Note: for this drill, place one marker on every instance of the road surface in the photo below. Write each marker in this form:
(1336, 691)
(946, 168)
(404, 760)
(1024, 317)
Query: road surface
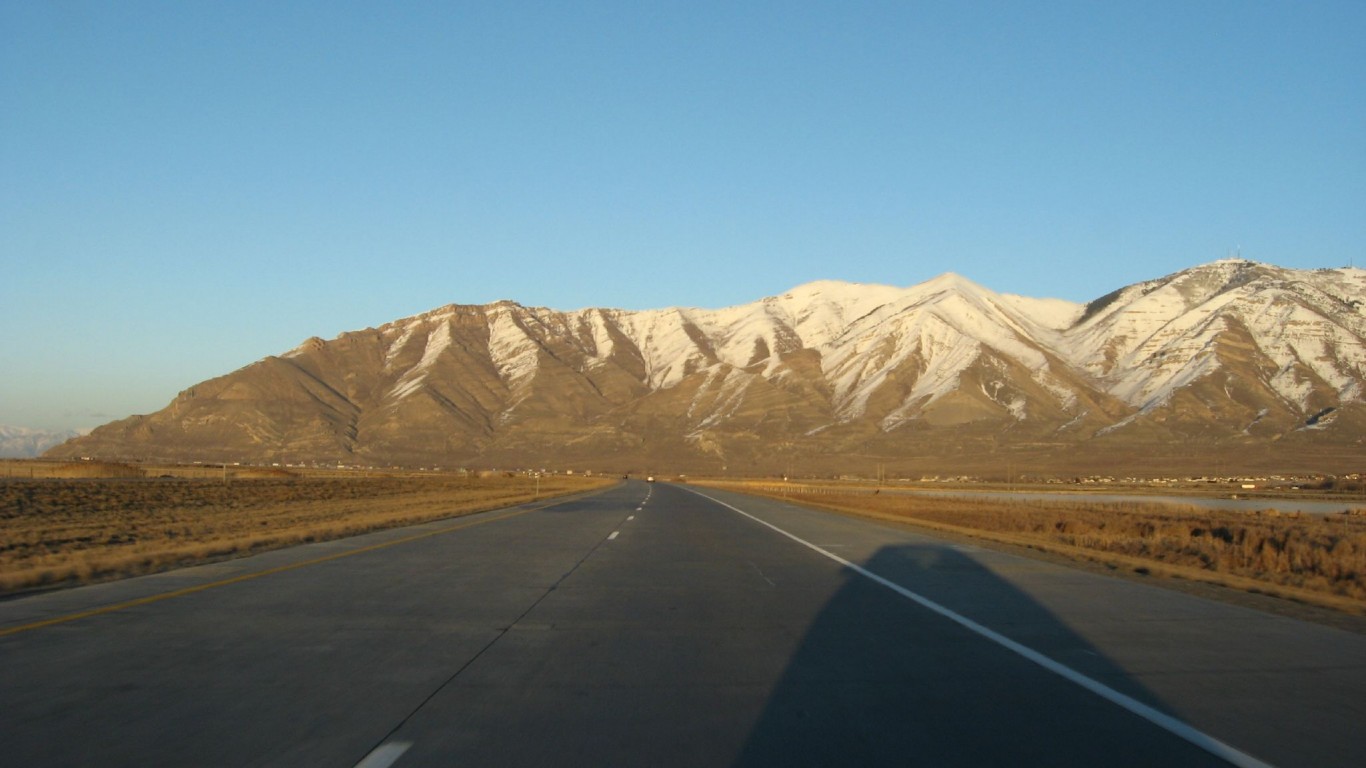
(662, 625)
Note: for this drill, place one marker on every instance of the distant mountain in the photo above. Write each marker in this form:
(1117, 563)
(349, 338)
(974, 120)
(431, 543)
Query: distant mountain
(1232, 358)
(24, 443)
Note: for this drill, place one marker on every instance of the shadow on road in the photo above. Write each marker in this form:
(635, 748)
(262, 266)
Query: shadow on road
(879, 680)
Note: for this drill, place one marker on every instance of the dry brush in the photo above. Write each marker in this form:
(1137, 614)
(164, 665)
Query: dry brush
(55, 532)
(1320, 559)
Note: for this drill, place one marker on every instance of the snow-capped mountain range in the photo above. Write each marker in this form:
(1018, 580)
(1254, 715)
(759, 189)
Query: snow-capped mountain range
(1225, 352)
(24, 442)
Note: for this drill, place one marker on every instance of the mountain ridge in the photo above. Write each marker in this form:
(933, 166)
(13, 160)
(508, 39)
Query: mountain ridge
(1234, 354)
(26, 442)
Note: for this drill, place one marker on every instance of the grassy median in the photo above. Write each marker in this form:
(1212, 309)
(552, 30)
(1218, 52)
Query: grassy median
(1319, 559)
(71, 531)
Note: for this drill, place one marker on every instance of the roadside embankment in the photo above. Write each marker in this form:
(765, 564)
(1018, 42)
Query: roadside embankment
(1318, 559)
(70, 531)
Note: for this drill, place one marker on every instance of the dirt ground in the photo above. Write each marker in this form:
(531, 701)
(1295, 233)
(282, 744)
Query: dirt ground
(70, 529)
(1293, 565)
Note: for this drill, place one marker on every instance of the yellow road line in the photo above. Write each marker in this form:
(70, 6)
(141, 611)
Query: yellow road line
(258, 574)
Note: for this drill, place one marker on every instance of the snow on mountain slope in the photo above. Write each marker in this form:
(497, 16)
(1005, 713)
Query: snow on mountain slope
(437, 340)
(1229, 350)
(26, 443)
(1155, 338)
(863, 334)
(1140, 344)
(669, 343)
(940, 328)
(599, 333)
(1053, 314)
(512, 345)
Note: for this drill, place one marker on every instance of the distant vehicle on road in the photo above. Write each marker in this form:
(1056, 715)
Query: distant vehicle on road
(650, 479)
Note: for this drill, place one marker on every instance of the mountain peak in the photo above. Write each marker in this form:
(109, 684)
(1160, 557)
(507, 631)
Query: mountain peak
(25, 442)
(951, 280)
(1231, 350)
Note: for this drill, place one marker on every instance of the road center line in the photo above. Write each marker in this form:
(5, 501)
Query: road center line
(1160, 719)
(613, 535)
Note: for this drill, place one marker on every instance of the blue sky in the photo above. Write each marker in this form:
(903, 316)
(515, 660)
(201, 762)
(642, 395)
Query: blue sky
(188, 187)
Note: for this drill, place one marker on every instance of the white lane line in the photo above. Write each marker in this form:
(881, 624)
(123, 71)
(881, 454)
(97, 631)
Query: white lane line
(630, 517)
(761, 574)
(1164, 721)
(613, 536)
(385, 755)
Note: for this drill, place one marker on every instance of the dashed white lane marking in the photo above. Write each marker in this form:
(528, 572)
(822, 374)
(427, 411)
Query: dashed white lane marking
(630, 517)
(613, 536)
(385, 755)
(759, 571)
(1161, 720)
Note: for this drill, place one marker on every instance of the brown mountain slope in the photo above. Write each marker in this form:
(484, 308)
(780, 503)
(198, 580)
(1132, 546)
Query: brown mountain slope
(1229, 362)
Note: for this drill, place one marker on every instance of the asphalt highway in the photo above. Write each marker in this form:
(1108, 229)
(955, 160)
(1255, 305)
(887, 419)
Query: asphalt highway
(662, 625)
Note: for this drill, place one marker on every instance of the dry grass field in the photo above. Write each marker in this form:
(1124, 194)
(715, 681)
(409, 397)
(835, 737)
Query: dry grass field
(77, 523)
(1318, 559)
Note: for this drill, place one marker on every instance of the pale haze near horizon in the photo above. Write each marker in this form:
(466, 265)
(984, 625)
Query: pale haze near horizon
(187, 189)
